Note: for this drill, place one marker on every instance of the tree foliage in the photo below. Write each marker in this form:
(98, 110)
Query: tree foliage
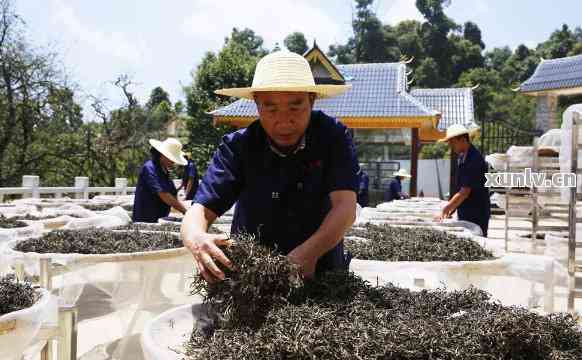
(296, 42)
(232, 66)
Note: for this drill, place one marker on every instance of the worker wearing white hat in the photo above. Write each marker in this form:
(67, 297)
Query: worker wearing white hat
(471, 200)
(155, 193)
(394, 191)
(292, 174)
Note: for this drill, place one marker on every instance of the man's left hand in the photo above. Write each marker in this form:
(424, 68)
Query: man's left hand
(306, 263)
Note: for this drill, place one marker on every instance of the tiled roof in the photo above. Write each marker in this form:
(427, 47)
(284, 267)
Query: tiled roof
(378, 90)
(555, 74)
(455, 105)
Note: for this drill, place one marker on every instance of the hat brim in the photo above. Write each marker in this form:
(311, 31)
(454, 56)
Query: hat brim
(321, 91)
(180, 159)
(447, 138)
(403, 176)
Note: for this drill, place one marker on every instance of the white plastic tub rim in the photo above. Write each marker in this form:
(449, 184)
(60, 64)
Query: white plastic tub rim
(21, 327)
(32, 230)
(534, 269)
(125, 277)
(164, 337)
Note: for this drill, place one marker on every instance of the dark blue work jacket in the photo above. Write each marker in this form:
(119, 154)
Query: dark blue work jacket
(282, 200)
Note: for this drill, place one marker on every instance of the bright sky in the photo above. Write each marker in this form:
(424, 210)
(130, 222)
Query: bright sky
(161, 42)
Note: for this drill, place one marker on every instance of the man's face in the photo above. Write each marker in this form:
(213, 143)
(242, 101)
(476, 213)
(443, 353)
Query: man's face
(284, 115)
(457, 144)
(167, 163)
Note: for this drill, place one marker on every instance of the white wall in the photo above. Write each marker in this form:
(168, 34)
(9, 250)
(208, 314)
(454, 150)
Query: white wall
(427, 176)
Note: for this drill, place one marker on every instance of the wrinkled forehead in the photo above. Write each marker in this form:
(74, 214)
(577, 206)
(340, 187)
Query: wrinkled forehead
(281, 97)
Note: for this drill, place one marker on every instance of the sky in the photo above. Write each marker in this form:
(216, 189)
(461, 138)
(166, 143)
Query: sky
(160, 43)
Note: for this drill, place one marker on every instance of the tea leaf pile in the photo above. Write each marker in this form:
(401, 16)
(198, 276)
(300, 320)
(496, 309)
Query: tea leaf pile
(98, 207)
(98, 241)
(169, 227)
(15, 295)
(390, 243)
(339, 316)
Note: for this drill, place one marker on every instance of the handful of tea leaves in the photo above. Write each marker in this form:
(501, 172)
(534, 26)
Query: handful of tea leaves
(391, 243)
(261, 280)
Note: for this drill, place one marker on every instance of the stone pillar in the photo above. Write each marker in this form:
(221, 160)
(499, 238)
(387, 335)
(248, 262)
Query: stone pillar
(414, 161)
(82, 184)
(32, 182)
(546, 112)
(121, 185)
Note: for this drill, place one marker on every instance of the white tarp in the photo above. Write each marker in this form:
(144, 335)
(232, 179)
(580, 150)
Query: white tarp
(134, 284)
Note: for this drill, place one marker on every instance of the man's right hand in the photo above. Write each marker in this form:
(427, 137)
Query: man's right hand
(205, 249)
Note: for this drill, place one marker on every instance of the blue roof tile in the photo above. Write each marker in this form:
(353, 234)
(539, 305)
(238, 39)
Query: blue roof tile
(555, 74)
(455, 104)
(378, 90)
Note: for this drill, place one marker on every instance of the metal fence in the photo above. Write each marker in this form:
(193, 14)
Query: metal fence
(498, 136)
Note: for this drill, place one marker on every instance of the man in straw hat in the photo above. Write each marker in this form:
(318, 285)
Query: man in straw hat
(156, 193)
(292, 174)
(394, 191)
(472, 197)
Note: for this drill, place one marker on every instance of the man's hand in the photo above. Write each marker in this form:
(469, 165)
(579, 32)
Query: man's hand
(204, 248)
(446, 213)
(306, 262)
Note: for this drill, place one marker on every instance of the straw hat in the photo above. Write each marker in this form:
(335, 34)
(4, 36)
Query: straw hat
(454, 131)
(284, 71)
(402, 173)
(170, 148)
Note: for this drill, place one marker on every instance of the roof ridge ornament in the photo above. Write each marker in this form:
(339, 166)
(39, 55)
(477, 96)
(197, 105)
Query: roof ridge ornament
(406, 62)
(473, 88)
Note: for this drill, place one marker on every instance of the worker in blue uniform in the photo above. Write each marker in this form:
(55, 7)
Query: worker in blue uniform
(394, 191)
(363, 189)
(155, 193)
(292, 174)
(471, 199)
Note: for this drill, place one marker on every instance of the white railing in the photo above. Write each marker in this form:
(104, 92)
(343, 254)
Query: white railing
(81, 190)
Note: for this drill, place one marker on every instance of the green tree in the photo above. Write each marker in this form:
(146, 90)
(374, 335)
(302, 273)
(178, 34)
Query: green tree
(497, 57)
(435, 151)
(472, 33)
(296, 42)
(466, 55)
(233, 66)
(249, 40)
(157, 96)
(372, 41)
(427, 74)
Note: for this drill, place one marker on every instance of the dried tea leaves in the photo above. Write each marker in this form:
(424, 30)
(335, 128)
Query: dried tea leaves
(339, 316)
(98, 207)
(393, 323)
(169, 227)
(98, 241)
(11, 223)
(261, 280)
(15, 295)
(390, 243)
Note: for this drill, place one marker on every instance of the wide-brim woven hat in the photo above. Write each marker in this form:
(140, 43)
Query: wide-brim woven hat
(284, 71)
(402, 173)
(454, 131)
(170, 148)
